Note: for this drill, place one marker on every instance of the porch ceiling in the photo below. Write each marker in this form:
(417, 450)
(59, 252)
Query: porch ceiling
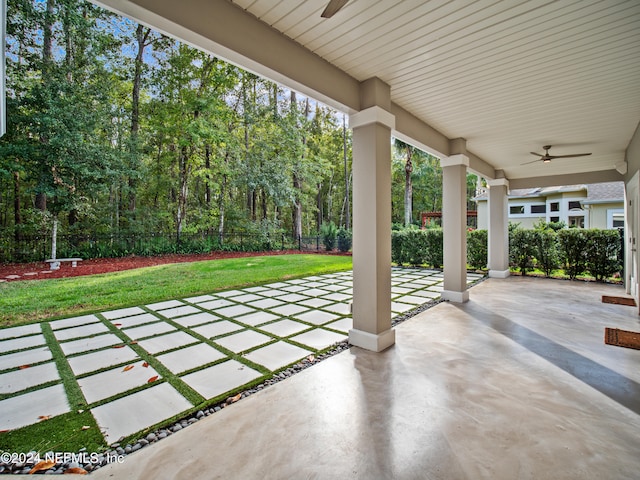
(509, 77)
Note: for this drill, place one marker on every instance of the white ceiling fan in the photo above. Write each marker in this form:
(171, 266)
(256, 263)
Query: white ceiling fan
(546, 158)
(332, 8)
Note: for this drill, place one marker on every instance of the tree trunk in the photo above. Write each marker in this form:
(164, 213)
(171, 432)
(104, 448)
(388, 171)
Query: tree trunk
(17, 214)
(181, 214)
(207, 179)
(54, 238)
(346, 176)
(408, 189)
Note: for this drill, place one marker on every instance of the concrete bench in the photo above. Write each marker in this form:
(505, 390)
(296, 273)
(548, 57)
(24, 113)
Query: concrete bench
(54, 263)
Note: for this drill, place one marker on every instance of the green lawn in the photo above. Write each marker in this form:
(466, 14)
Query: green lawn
(33, 301)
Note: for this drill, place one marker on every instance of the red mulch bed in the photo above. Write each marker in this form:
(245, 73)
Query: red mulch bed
(40, 270)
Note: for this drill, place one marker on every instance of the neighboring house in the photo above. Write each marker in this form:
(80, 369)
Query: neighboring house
(598, 205)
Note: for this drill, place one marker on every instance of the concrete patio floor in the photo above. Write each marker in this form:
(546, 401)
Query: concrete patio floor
(137, 367)
(516, 383)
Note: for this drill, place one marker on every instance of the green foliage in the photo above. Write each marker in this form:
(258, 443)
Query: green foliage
(546, 250)
(344, 239)
(523, 248)
(477, 248)
(328, 232)
(603, 249)
(573, 243)
(417, 247)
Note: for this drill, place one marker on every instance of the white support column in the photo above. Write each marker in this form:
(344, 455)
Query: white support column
(498, 228)
(454, 225)
(372, 229)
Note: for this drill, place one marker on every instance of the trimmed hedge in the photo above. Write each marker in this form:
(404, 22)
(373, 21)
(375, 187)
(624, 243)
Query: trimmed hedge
(477, 248)
(417, 247)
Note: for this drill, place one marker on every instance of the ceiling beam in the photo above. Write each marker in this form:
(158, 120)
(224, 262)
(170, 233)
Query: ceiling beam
(566, 179)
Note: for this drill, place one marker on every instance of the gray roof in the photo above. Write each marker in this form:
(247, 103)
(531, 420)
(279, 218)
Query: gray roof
(596, 192)
(605, 192)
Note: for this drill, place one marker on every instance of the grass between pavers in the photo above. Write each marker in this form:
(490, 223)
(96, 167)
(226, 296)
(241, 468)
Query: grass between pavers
(31, 301)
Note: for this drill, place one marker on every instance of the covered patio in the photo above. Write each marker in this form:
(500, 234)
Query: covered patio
(504, 386)
(478, 84)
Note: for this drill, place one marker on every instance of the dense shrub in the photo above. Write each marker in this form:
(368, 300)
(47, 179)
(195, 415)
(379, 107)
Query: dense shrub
(417, 247)
(398, 252)
(573, 251)
(434, 242)
(477, 248)
(522, 249)
(344, 239)
(328, 232)
(603, 249)
(546, 250)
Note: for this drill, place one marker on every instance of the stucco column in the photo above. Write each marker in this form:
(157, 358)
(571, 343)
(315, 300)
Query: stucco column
(454, 225)
(372, 229)
(498, 228)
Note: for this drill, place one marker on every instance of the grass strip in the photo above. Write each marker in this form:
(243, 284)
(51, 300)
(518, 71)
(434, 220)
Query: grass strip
(32, 301)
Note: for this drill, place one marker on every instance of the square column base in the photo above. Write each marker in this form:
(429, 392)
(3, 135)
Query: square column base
(499, 273)
(456, 297)
(371, 341)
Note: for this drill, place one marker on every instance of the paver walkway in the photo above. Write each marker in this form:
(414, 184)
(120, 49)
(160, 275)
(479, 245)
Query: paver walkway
(141, 365)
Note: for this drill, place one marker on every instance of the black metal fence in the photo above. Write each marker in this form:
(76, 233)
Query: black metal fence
(38, 248)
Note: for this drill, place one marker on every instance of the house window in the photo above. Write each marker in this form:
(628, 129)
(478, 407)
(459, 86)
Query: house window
(575, 205)
(516, 210)
(554, 219)
(554, 206)
(618, 221)
(577, 222)
(539, 208)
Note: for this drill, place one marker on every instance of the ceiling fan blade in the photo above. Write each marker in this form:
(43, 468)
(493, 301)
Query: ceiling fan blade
(332, 8)
(538, 154)
(532, 161)
(570, 156)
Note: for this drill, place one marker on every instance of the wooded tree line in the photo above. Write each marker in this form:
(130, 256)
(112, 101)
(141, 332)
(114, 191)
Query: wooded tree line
(113, 128)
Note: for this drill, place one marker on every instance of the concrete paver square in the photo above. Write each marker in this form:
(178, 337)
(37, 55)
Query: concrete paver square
(213, 304)
(229, 293)
(197, 319)
(73, 322)
(340, 308)
(81, 331)
(164, 305)
(107, 384)
(235, 311)
(333, 287)
(199, 299)
(292, 297)
(167, 342)
(24, 410)
(314, 284)
(104, 358)
(315, 302)
(148, 330)
(21, 342)
(294, 288)
(319, 338)
(239, 342)
(17, 380)
(338, 297)
(412, 285)
(315, 292)
(218, 379)
(122, 312)
(413, 299)
(140, 410)
(427, 294)
(400, 290)
(289, 309)
(266, 303)
(26, 357)
(179, 311)
(255, 289)
(436, 288)
(399, 307)
(296, 281)
(14, 332)
(190, 357)
(316, 317)
(256, 318)
(216, 329)
(284, 328)
(89, 343)
(277, 285)
(248, 297)
(127, 322)
(273, 293)
(343, 325)
(277, 355)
